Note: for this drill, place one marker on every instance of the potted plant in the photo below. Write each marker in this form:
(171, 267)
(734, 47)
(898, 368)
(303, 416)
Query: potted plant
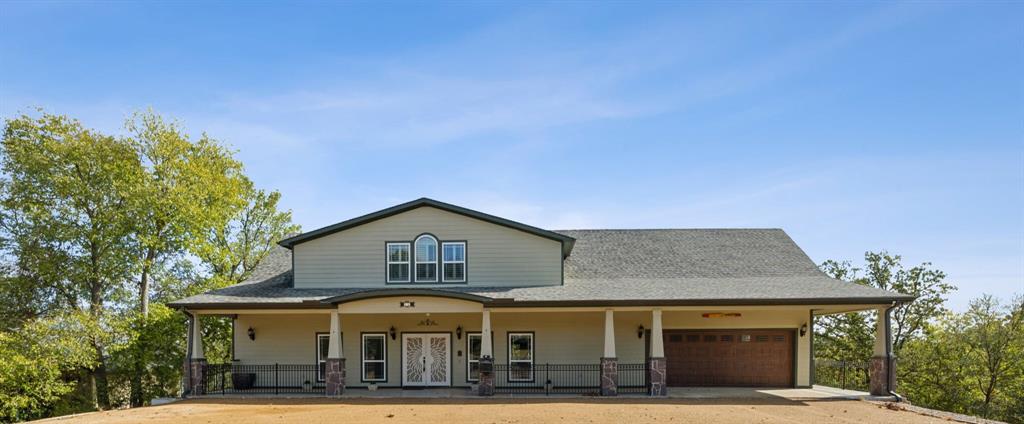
(372, 387)
(306, 385)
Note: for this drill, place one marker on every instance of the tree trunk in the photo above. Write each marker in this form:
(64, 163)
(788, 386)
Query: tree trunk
(139, 366)
(99, 378)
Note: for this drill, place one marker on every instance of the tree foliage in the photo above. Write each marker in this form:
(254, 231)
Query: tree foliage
(40, 364)
(970, 362)
(97, 227)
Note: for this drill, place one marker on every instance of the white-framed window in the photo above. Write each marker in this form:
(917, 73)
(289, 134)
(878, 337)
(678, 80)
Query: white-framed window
(323, 346)
(426, 259)
(374, 358)
(520, 356)
(453, 261)
(398, 262)
(473, 343)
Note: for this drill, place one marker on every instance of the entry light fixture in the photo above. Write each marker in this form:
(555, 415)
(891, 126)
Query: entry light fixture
(640, 332)
(252, 334)
(803, 330)
(391, 332)
(458, 332)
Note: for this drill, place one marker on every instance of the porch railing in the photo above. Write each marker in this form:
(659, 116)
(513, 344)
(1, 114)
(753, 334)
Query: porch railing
(846, 375)
(585, 379)
(261, 379)
(633, 378)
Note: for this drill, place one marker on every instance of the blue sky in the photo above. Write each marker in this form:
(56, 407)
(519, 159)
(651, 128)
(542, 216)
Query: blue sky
(853, 126)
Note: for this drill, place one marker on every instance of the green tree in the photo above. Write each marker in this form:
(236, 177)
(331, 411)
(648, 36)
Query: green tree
(851, 336)
(38, 360)
(66, 190)
(186, 190)
(971, 363)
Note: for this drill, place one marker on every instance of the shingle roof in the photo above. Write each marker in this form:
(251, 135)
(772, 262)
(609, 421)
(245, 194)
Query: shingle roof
(672, 266)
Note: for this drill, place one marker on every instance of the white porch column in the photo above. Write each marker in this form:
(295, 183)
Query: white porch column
(335, 350)
(881, 338)
(334, 374)
(609, 333)
(882, 373)
(197, 338)
(485, 381)
(657, 343)
(658, 378)
(609, 363)
(485, 335)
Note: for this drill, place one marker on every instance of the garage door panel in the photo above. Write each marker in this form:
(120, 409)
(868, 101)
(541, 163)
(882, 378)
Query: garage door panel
(729, 357)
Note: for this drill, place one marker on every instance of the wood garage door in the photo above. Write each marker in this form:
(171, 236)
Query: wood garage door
(729, 358)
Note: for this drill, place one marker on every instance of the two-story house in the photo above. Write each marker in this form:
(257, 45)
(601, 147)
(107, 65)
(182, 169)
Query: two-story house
(427, 294)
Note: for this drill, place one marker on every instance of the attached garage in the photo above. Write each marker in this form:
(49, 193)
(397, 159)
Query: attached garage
(752, 358)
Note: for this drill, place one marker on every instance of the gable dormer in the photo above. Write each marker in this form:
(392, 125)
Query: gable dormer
(430, 244)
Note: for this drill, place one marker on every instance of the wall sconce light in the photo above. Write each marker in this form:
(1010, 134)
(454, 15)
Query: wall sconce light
(252, 334)
(803, 330)
(391, 332)
(640, 332)
(458, 332)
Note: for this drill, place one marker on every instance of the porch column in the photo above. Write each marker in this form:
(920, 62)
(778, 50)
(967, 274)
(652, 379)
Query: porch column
(882, 363)
(197, 359)
(334, 375)
(656, 363)
(609, 362)
(485, 385)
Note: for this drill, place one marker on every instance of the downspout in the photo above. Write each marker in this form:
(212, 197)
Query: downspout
(889, 377)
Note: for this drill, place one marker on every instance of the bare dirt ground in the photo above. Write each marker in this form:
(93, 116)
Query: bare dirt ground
(436, 411)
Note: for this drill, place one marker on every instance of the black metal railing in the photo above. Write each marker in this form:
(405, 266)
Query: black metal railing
(261, 379)
(852, 375)
(547, 378)
(633, 378)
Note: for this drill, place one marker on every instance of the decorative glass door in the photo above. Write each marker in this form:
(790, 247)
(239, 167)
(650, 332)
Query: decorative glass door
(426, 359)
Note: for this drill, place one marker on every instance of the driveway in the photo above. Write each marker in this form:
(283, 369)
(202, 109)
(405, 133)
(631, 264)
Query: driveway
(431, 411)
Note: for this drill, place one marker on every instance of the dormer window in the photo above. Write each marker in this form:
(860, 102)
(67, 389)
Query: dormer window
(426, 259)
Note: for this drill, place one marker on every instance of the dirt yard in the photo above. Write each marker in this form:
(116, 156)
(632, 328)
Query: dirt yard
(436, 411)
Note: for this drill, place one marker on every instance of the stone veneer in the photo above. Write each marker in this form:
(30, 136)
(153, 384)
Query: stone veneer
(877, 371)
(609, 377)
(485, 387)
(195, 369)
(334, 376)
(658, 377)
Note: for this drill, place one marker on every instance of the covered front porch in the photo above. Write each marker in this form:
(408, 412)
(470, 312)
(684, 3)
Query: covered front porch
(421, 342)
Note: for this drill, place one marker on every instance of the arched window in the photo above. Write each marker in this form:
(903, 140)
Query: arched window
(426, 259)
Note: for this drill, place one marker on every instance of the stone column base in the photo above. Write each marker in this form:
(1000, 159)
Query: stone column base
(334, 377)
(609, 377)
(485, 386)
(196, 368)
(658, 381)
(880, 386)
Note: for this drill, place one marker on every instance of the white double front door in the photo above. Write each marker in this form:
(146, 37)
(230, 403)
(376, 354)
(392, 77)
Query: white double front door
(426, 359)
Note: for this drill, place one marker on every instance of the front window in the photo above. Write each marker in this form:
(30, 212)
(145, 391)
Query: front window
(453, 260)
(375, 352)
(473, 343)
(398, 262)
(426, 259)
(520, 357)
